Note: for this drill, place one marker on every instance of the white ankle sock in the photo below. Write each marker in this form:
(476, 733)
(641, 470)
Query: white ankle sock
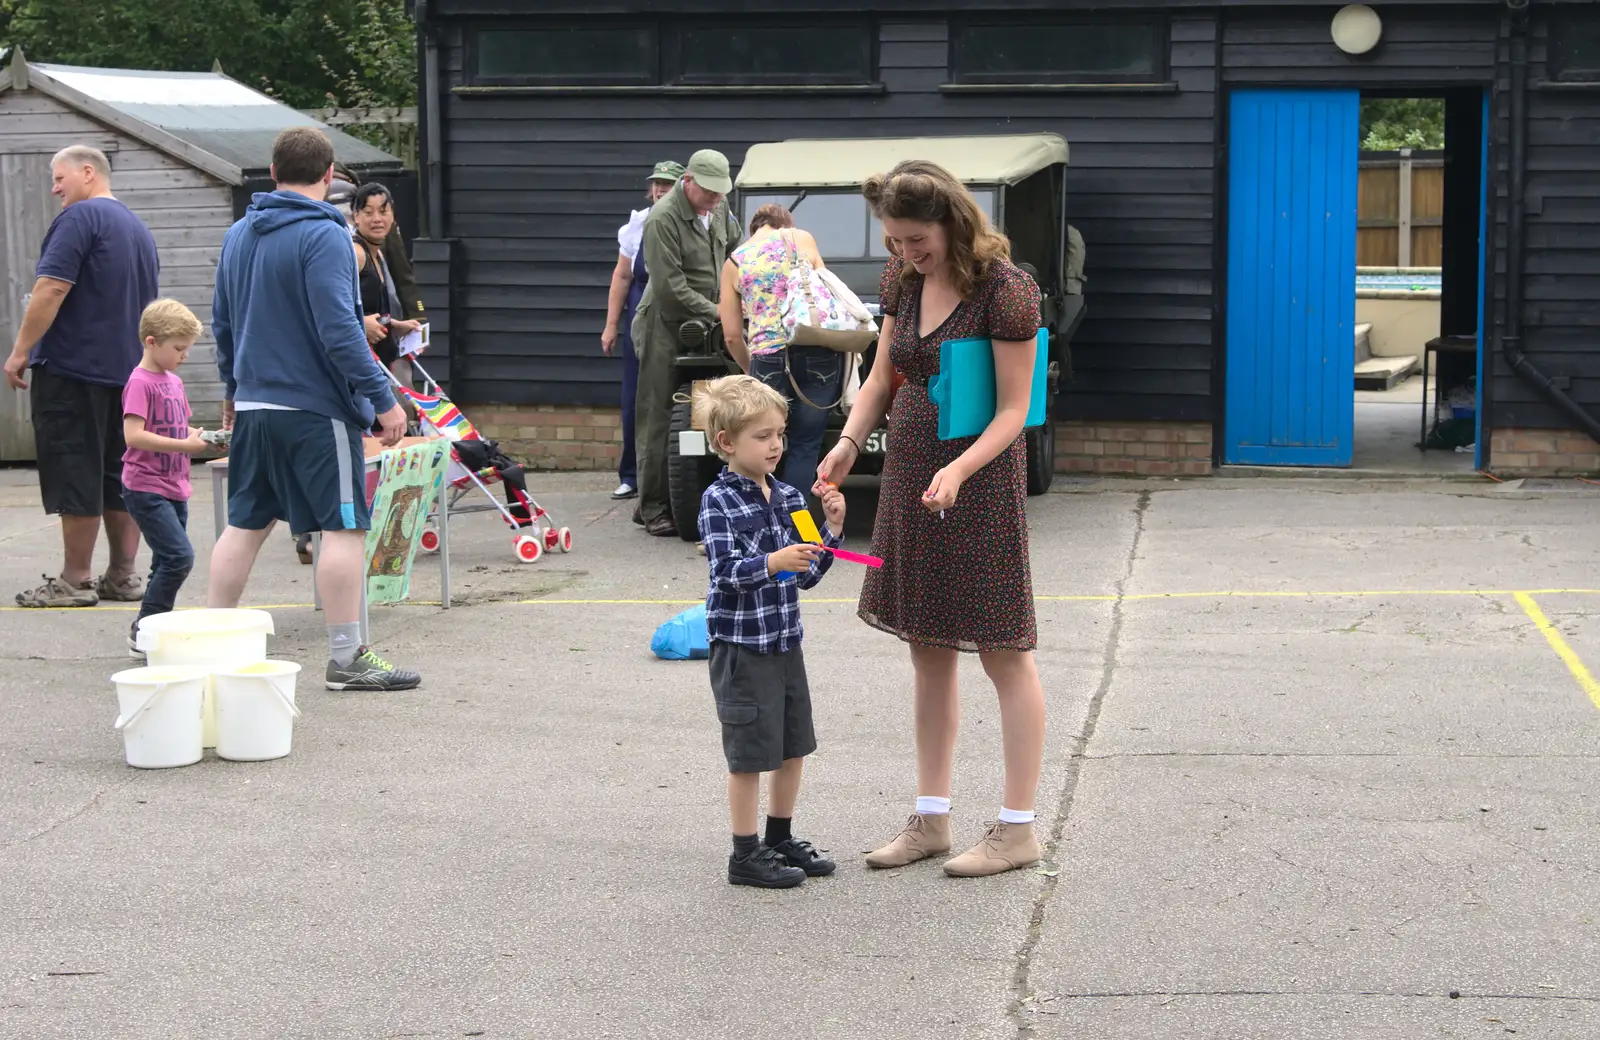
(1016, 815)
(927, 805)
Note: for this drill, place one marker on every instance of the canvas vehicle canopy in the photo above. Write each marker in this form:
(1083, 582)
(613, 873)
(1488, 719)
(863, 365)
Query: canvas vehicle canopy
(846, 162)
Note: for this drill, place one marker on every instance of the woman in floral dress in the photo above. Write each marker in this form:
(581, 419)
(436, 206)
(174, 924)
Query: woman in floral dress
(952, 524)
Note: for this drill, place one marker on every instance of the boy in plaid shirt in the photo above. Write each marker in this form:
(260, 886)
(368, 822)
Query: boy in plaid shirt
(758, 676)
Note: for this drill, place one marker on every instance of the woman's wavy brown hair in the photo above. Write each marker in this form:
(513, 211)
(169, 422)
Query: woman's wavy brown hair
(927, 193)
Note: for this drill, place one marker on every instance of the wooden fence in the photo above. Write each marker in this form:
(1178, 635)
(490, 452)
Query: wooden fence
(1400, 209)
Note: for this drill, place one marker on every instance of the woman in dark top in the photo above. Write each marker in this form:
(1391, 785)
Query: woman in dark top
(952, 526)
(383, 312)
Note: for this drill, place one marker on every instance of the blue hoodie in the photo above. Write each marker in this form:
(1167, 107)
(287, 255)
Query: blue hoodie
(287, 313)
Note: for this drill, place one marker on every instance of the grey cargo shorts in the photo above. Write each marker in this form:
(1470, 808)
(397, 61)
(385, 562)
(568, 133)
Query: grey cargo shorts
(764, 704)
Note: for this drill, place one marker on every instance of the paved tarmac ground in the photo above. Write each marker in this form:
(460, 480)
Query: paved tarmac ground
(1322, 764)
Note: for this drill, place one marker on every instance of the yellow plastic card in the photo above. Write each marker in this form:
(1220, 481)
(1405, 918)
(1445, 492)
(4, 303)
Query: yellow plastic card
(806, 526)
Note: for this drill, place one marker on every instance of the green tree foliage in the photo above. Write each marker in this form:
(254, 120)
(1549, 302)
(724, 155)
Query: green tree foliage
(1388, 124)
(307, 53)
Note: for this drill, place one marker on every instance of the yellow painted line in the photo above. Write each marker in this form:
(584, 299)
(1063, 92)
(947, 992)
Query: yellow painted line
(822, 600)
(1563, 649)
(1331, 594)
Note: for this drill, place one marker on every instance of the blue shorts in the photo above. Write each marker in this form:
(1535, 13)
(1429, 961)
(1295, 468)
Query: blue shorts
(296, 466)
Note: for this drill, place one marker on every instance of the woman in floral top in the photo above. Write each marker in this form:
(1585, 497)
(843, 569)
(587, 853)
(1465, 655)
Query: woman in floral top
(755, 283)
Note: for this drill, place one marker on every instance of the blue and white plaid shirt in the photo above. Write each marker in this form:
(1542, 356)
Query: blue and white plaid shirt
(745, 604)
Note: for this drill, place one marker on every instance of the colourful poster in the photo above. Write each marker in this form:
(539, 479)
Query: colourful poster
(409, 480)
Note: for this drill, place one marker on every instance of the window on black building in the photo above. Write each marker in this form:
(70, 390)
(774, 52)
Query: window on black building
(744, 52)
(566, 56)
(1016, 52)
(751, 52)
(1575, 47)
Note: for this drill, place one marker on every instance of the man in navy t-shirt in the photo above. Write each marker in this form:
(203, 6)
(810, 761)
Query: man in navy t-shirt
(79, 340)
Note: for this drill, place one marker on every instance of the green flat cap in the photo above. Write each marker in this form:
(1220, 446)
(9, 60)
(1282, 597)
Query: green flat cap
(666, 170)
(710, 170)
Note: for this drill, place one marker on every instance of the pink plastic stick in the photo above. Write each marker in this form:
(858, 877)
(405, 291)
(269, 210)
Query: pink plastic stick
(853, 557)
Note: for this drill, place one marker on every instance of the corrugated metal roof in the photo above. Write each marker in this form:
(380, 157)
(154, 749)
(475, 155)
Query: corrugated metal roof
(216, 114)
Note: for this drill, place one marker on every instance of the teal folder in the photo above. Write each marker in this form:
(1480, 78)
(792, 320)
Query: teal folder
(964, 389)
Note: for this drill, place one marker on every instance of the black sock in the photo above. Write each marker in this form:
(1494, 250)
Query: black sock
(778, 830)
(745, 845)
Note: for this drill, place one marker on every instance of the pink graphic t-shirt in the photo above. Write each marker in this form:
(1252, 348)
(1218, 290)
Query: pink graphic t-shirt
(158, 399)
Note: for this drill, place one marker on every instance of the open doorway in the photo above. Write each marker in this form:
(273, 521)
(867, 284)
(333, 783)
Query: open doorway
(1417, 306)
(1291, 338)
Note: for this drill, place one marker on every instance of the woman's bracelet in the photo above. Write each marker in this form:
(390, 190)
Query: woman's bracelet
(853, 442)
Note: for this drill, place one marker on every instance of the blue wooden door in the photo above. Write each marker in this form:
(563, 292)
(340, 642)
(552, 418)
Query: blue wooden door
(1291, 277)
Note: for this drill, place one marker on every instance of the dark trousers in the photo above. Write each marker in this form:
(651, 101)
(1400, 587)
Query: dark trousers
(163, 522)
(818, 372)
(627, 468)
(656, 343)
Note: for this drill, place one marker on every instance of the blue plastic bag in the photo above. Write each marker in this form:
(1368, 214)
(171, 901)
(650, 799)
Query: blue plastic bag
(684, 637)
(964, 389)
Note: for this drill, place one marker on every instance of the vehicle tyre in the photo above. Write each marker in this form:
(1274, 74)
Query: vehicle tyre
(528, 549)
(688, 476)
(1041, 444)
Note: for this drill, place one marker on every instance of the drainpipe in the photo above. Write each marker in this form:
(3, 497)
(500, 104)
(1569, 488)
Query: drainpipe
(1510, 330)
(432, 145)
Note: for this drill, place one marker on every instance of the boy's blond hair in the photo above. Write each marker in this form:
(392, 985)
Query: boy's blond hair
(731, 403)
(168, 319)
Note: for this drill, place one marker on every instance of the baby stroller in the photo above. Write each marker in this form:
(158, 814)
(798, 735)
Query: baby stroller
(475, 463)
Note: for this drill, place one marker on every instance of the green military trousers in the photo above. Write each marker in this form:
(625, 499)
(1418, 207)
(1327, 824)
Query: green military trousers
(655, 343)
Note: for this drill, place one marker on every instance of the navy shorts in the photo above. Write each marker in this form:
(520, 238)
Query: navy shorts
(296, 466)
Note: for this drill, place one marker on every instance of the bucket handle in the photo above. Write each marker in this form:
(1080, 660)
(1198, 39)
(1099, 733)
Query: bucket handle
(124, 723)
(284, 698)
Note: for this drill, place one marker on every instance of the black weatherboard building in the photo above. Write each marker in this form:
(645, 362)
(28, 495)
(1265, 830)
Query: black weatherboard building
(1213, 175)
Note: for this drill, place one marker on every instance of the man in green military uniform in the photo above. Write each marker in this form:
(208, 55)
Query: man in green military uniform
(687, 238)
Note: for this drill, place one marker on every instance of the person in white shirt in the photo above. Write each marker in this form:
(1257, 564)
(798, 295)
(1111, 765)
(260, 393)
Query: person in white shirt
(628, 280)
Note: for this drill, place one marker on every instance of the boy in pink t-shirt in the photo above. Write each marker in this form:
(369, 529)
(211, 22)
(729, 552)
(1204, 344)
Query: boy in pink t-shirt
(155, 468)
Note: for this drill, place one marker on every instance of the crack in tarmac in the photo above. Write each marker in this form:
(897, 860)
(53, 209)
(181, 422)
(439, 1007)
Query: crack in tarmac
(92, 803)
(1021, 998)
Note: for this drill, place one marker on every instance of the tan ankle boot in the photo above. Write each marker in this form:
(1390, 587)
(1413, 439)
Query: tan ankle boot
(1005, 846)
(922, 837)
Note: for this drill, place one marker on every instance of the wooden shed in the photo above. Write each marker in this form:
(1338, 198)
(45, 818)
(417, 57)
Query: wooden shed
(1221, 305)
(184, 149)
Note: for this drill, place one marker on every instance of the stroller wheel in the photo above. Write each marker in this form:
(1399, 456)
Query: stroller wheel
(528, 549)
(430, 540)
(552, 540)
(564, 539)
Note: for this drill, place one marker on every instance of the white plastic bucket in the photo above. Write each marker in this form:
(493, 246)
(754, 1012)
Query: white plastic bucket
(255, 710)
(160, 715)
(211, 639)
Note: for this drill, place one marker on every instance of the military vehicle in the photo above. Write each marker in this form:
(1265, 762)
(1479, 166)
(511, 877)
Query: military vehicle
(1019, 180)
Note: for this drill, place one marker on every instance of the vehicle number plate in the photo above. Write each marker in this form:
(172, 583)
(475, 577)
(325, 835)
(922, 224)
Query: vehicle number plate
(877, 443)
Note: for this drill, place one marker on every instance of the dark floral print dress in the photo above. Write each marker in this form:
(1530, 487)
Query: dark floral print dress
(964, 581)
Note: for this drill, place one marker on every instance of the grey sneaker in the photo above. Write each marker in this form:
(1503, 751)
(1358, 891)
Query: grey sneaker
(129, 589)
(370, 672)
(133, 648)
(55, 593)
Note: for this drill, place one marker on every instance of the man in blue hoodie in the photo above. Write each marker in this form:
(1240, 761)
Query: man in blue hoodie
(300, 389)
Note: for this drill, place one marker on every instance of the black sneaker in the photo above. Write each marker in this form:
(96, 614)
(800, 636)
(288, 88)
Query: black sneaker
(370, 672)
(800, 853)
(763, 868)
